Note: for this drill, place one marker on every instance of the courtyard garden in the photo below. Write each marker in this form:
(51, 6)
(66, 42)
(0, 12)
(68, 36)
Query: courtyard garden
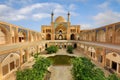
(69, 67)
(37, 72)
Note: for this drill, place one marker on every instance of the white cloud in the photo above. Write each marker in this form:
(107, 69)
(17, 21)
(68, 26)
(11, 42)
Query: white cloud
(86, 26)
(21, 2)
(72, 7)
(8, 13)
(81, 0)
(34, 11)
(40, 16)
(104, 5)
(106, 17)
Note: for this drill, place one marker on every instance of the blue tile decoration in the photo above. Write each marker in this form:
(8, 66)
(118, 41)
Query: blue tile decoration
(25, 31)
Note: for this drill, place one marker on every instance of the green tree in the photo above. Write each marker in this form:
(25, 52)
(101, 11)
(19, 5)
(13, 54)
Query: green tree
(52, 49)
(113, 77)
(83, 69)
(70, 49)
(37, 72)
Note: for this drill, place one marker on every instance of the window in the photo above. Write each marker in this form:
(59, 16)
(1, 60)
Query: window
(12, 65)
(5, 69)
(114, 65)
(100, 59)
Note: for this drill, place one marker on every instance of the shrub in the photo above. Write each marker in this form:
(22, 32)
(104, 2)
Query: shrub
(52, 49)
(70, 49)
(37, 72)
(84, 69)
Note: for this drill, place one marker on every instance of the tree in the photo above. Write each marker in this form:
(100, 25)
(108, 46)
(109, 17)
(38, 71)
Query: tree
(113, 77)
(37, 72)
(70, 49)
(52, 49)
(83, 69)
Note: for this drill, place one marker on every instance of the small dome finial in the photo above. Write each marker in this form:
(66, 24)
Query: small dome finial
(52, 13)
(68, 13)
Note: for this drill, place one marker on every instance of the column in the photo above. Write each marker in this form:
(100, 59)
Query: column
(117, 68)
(106, 35)
(27, 54)
(114, 36)
(16, 35)
(10, 36)
(52, 31)
(21, 58)
(110, 64)
(1, 72)
(97, 52)
(68, 31)
(104, 57)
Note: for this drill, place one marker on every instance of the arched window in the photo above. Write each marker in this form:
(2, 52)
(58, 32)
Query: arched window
(60, 32)
(48, 37)
(22, 36)
(72, 37)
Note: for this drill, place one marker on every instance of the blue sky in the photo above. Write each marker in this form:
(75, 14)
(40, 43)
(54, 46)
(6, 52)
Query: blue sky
(34, 13)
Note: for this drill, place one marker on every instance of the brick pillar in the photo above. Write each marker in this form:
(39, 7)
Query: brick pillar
(104, 57)
(16, 35)
(117, 67)
(21, 58)
(10, 35)
(106, 35)
(114, 36)
(52, 31)
(68, 31)
(0, 71)
(27, 54)
(97, 53)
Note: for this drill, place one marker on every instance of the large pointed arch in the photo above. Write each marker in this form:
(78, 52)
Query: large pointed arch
(4, 35)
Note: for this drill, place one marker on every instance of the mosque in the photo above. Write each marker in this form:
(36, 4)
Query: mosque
(18, 44)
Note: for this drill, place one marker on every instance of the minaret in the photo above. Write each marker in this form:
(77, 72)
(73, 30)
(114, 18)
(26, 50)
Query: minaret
(68, 17)
(52, 15)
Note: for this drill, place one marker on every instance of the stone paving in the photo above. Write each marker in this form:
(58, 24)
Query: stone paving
(61, 73)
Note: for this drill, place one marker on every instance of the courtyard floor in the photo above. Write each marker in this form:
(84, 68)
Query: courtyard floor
(59, 72)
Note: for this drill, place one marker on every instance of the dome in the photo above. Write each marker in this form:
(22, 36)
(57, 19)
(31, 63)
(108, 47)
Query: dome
(60, 19)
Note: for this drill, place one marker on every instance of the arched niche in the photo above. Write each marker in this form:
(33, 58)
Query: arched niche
(113, 61)
(48, 37)
(10, 63)
(101, 36)
(117, 40)
(110, 35)
(92, 52)
(72, 37)
(4, 35)
(22, 36)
